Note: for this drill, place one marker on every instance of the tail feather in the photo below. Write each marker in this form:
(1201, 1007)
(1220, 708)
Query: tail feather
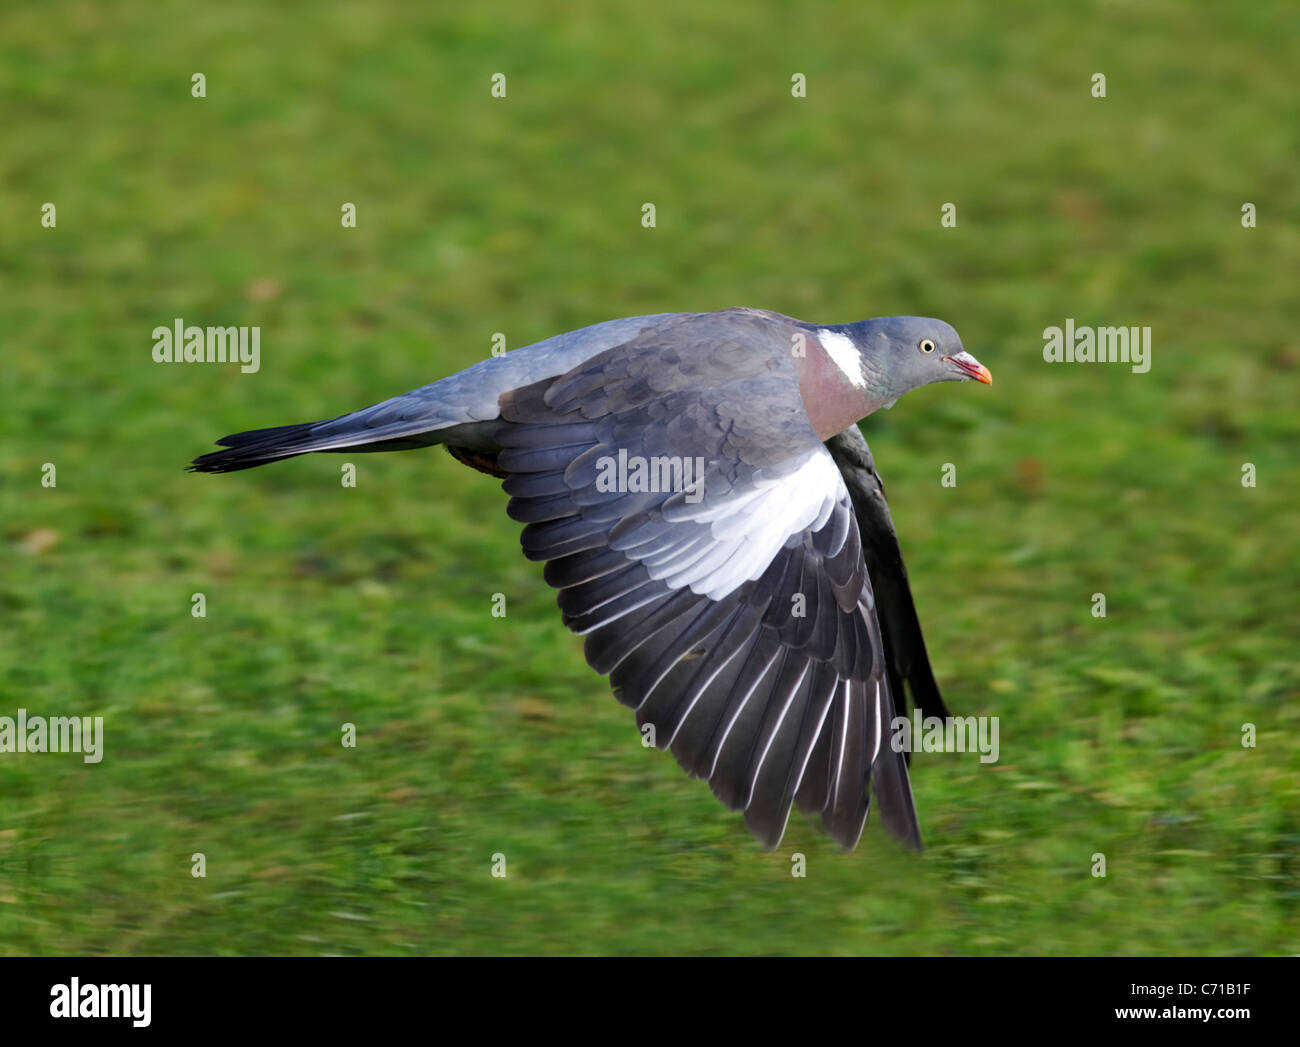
(256, 447)
(459, 410)
(359, 432)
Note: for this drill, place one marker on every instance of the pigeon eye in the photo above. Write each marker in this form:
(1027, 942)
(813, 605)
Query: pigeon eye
(927, 346)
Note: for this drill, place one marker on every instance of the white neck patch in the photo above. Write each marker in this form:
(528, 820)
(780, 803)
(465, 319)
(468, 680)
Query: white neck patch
(840, 348)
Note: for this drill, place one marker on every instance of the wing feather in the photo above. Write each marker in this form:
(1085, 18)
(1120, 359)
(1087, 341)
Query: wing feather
(735, 616)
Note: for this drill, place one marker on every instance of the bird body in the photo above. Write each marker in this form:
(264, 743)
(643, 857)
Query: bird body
(733, 605)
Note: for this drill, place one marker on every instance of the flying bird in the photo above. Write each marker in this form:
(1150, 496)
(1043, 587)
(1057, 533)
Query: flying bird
(712, 518)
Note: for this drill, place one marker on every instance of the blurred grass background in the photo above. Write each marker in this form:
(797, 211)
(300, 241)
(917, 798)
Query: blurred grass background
(371, 605)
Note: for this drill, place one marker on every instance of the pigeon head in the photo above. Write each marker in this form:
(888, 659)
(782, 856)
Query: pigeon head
(902, 353)
(868, 365)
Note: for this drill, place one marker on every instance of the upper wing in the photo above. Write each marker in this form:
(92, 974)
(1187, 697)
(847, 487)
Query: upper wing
(737, 618)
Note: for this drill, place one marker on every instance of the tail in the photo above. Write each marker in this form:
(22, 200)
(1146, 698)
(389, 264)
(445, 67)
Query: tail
(459, 410)
(429, 415)
(256, 447)
(263, 446)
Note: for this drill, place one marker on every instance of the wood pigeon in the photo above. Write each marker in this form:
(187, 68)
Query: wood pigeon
(711, 516)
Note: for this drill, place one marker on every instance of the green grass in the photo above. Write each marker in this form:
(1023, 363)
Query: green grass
(480, 735)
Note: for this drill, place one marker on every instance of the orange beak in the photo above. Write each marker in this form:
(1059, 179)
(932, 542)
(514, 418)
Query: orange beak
(970, 367)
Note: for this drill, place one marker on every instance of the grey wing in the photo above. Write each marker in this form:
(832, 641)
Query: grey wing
(906, 658)
(736, 617)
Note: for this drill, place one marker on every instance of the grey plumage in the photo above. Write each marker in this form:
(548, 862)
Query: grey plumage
(761, 621)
